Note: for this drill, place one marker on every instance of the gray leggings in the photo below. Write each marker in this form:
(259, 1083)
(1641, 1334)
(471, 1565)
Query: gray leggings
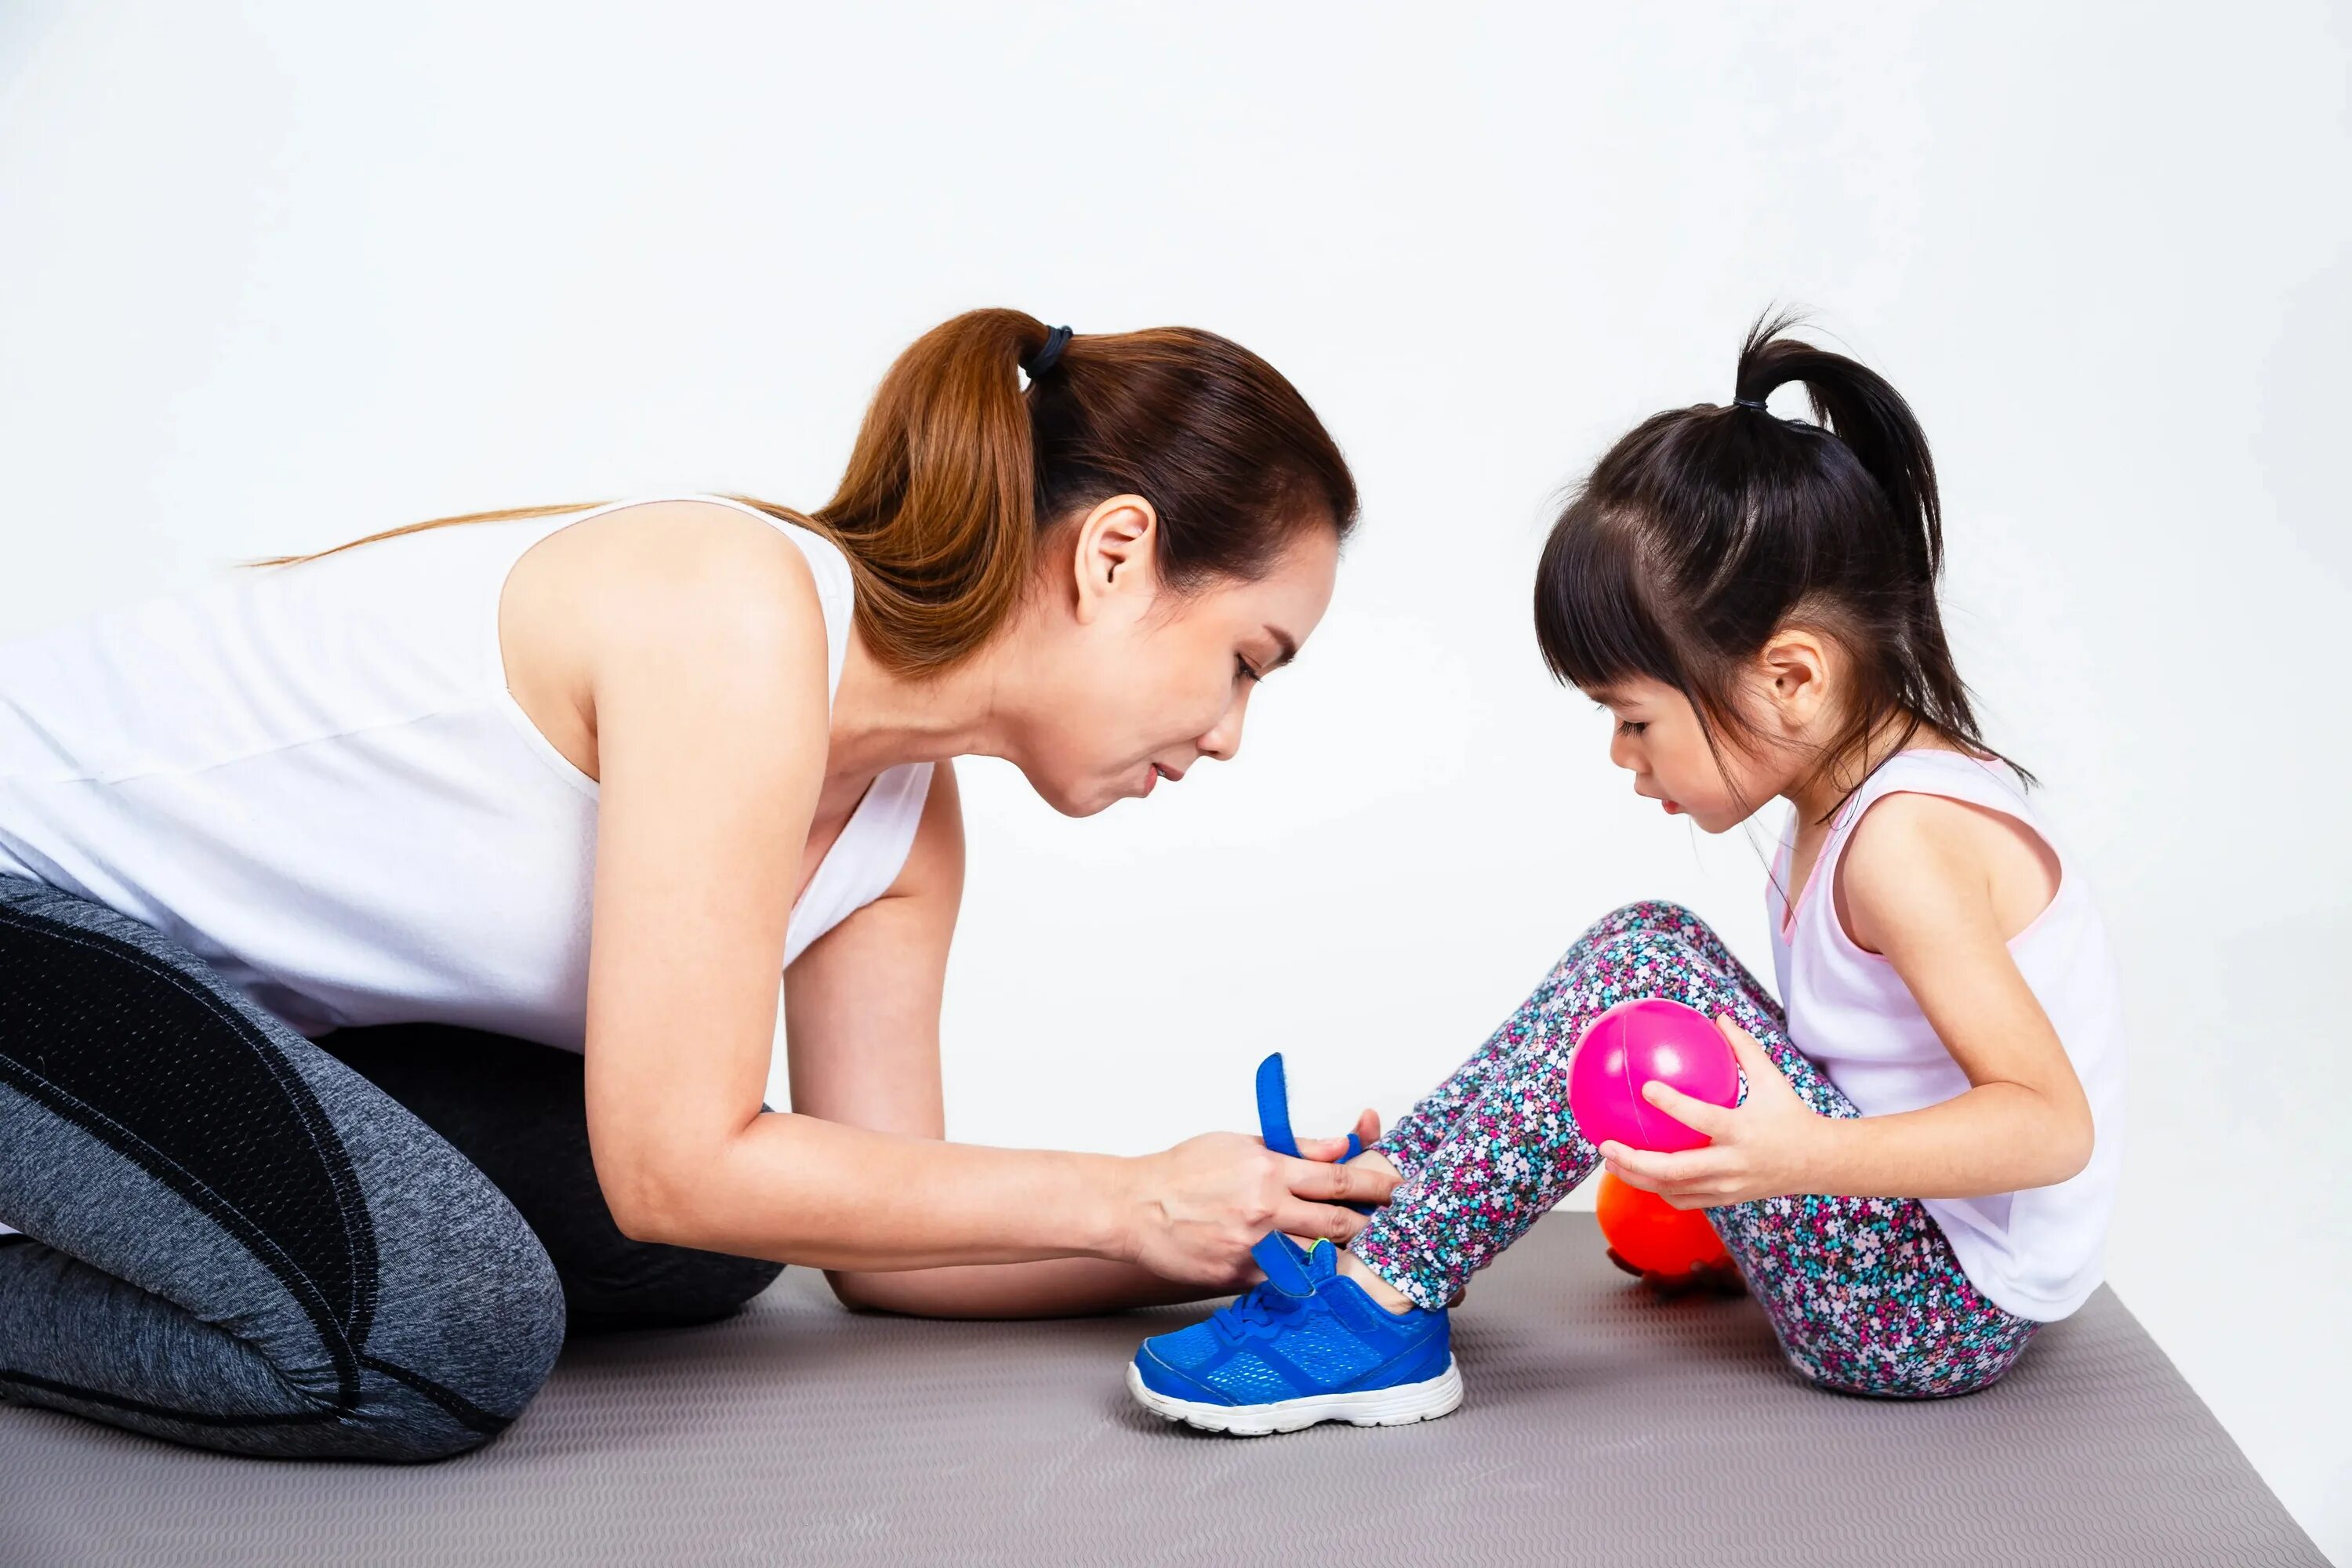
(238, 1239)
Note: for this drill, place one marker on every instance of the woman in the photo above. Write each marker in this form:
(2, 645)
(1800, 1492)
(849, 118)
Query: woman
(586, 778)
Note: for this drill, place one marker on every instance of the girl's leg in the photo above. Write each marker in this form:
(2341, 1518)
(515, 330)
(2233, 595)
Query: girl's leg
(518, 1111)
(1515, 1149)
(1534, 1027)
(1863, 1293)
(232, 1239)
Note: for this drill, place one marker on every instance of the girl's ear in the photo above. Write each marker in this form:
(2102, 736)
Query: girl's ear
(1794, 671)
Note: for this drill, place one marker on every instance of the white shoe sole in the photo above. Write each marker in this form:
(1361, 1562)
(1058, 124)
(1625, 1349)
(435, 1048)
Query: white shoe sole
(1399, 1406)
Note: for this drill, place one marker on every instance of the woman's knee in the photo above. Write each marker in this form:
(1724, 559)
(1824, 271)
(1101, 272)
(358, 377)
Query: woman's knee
(433, 1388)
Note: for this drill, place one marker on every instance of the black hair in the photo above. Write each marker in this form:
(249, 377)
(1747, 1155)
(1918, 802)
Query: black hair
(1708, 530)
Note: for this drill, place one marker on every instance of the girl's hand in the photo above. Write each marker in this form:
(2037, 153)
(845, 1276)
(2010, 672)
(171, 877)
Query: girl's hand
(1767, 1146)
(1197, 1209)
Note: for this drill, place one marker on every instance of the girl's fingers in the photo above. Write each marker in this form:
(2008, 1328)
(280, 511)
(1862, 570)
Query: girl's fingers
(1753, 1058)
(1714, 1120)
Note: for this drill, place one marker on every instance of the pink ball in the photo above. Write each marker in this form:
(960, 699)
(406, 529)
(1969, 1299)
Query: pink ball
(1634, 1042)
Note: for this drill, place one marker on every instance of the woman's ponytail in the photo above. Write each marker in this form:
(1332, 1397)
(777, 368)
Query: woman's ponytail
(958, 471)
(937, 508)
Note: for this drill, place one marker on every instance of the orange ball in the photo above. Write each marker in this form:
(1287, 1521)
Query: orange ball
(1649, 1236)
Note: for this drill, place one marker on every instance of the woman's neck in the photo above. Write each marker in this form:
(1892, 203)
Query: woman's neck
(882, 717)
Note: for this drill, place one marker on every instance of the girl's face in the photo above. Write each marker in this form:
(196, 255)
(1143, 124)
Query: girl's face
(1129, 683)
(1659, 741)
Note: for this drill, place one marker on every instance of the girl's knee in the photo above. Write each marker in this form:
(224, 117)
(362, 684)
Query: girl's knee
(1646, 914)
(1652, 961)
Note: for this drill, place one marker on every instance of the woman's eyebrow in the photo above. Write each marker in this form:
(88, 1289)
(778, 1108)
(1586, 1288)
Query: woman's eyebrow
(1282, 639)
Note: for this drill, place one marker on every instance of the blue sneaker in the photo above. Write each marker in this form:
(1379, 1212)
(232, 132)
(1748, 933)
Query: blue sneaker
(1305, 1347)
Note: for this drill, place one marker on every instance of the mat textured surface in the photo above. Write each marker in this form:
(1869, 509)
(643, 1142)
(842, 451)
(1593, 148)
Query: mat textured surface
(1601, 1427)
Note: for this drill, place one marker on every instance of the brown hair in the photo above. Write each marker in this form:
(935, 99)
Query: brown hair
(957, 472)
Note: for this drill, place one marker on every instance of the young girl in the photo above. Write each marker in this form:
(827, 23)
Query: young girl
(1920, 1169)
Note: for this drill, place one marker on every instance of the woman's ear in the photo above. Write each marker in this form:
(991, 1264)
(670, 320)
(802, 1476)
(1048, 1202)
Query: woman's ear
(1115, 554)
(1793, 671)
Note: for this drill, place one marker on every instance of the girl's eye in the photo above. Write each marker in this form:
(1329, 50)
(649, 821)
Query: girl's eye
(1241, 671)
(1627, 727)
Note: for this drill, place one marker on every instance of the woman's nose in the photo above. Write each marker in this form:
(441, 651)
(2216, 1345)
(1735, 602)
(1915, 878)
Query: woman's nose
(1223, 742)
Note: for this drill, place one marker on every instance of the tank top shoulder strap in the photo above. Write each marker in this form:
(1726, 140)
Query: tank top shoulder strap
(1981, 781)
(1978, 781)
(836, 586)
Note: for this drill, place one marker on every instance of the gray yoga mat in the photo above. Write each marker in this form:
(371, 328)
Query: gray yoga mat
(1602, 1425)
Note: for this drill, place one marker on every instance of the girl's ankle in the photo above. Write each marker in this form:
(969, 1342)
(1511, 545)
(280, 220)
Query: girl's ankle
(1388, 1297)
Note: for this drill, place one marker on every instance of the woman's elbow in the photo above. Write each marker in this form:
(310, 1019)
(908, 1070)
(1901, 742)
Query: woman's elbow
(863, 1292)
(649, 1206)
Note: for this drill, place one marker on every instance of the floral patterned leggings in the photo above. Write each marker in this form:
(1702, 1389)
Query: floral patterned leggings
(1863, 1293)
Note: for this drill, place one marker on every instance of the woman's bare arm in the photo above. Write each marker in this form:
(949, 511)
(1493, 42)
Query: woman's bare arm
(710, 718)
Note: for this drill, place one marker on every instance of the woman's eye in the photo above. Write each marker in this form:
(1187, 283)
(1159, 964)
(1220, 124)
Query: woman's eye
(1241, 671)
(1627, 727)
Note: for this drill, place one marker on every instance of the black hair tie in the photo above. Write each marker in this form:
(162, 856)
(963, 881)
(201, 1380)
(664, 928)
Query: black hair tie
(1048, 353)
(1755, 402)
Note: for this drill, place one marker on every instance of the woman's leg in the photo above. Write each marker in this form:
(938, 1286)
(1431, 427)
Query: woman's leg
(1535, 1027)
(1863, 1292)
(518, 1111)
(232, 1239)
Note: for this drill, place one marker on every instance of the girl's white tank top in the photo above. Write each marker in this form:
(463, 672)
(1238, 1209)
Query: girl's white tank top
(314, 777)
(2035, 1253)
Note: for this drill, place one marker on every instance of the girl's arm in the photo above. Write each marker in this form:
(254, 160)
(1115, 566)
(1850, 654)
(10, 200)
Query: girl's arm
(711, 717)
(1930, 884)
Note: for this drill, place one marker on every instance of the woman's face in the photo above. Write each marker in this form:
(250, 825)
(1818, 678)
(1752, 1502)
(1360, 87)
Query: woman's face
(1126, 683)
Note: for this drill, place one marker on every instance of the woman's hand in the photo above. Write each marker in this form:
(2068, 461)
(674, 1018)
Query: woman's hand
(1768, 1145)
(1197, 1209)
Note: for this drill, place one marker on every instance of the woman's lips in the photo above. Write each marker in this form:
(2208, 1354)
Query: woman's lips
(1672, 809)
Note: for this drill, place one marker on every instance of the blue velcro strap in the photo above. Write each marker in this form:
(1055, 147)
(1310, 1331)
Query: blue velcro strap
(1355, 1147)
(1283, 1271)
(1273, 1107)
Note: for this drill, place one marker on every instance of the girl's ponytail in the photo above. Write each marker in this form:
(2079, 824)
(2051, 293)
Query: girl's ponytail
(1705, 530)
(1863, 409)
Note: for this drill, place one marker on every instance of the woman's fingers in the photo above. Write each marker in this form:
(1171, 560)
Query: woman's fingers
(1310, 1220)
(1367, 1132)
(1340, 1183)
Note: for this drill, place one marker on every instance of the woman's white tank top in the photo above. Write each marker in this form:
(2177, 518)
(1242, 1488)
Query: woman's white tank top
(2035, 1253)
(314, 777)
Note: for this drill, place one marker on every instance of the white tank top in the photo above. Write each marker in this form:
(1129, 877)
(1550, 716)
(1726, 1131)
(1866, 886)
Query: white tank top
(2034, 1253)
(314, 777)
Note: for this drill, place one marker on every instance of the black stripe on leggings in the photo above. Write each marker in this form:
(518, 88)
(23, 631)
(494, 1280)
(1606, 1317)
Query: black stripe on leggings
(339, 1332)
(164, 1412)
(463, 1411)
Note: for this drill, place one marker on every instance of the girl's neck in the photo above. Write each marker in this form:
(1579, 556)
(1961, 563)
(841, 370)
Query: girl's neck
(1821, 789)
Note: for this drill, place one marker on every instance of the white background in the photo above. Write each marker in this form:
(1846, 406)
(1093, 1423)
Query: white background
(274, 277)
